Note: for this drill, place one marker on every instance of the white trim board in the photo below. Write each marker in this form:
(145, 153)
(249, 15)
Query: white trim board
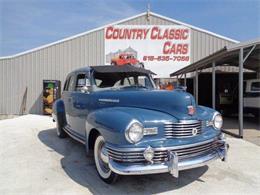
(114, 23)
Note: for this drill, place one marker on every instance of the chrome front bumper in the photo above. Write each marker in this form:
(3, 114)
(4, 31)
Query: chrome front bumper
(173, 165)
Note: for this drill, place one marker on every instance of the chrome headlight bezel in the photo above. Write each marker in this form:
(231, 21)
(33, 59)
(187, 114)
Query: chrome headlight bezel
(217, 121)
(134, 127)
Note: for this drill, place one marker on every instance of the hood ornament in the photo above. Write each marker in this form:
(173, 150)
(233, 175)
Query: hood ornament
(191, 110)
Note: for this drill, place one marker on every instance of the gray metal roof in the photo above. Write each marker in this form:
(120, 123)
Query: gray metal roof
(228, 56)
(119, 22)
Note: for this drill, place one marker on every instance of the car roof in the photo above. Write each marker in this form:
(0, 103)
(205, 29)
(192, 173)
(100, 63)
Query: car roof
(113, 69)
(120, 69)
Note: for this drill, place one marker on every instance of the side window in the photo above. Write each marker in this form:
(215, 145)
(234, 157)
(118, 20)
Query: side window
(71, 83)
(255, 86)
(80, 81)
(66, 85)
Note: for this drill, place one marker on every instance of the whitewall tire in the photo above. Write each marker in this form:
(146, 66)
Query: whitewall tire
(102, 167)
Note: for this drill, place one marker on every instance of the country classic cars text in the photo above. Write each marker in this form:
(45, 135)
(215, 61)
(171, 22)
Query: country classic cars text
(173, 37)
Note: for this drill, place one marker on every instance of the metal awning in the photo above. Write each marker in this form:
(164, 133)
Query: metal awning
(244, 55)
(228, 56)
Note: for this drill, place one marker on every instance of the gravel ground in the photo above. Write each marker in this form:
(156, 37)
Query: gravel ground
(34, 161)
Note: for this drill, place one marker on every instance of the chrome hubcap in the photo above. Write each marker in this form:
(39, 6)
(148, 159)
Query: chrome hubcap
(102, 157)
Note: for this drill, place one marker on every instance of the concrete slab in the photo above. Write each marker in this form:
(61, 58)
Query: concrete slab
(34, 161)
(251, 128)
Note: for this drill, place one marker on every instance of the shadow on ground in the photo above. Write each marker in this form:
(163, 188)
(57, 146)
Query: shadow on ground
(81, 169)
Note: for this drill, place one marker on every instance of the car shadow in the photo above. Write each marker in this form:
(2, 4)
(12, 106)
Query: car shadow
(81, 169)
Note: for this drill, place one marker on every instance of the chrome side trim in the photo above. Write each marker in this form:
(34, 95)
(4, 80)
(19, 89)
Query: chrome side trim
(73, 134)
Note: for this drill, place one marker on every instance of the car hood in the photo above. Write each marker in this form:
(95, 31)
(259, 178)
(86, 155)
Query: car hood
(174, 102)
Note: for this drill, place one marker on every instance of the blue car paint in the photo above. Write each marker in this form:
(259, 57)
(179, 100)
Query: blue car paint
(171, 102)
(150, 107)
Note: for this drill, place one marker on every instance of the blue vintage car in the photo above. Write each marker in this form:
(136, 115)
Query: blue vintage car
(132, 127)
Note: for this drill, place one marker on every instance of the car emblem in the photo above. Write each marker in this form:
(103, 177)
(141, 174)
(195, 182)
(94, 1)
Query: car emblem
(194, 131)
(191, 110)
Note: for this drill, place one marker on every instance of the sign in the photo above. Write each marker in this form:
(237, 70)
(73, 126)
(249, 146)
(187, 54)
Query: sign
(162, 49)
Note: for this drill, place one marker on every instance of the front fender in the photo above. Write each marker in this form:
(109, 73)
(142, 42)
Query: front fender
(205, 113)
(112, 122)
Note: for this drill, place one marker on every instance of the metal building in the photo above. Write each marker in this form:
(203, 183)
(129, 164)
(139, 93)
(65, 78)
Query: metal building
(22, 74)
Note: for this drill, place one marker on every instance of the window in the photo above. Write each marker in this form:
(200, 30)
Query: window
(122, 80)
(66, 85)
(255, 86)
(71, 83)
(81, 81)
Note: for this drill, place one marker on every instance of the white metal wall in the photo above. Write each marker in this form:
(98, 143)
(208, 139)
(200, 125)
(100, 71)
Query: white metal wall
(55, 61)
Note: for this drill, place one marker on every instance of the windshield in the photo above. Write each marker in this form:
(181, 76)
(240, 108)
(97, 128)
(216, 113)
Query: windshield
(122, 81)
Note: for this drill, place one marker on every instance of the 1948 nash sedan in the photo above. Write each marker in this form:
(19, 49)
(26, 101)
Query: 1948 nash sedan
(132, 127)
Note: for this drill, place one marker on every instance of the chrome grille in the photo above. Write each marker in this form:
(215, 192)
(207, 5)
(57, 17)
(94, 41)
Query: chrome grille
(205, 124)
(125, 156)
(181, 129)
(193, 151)
(161, 155)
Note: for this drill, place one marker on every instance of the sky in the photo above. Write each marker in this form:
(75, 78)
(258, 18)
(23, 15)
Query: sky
(26, 24)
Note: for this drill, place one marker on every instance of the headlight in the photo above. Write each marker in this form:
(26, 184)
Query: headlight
(134, 132)
(217, 121)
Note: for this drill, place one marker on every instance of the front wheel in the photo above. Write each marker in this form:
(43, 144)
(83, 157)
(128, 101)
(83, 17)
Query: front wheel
(100, 160)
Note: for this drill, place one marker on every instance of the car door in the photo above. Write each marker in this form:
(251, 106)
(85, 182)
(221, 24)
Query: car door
(67, 97)
(80, 104)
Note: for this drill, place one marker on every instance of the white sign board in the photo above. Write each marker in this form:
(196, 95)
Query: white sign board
(162, 49)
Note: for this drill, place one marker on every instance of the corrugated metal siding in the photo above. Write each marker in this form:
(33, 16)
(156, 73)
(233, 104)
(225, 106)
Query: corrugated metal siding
(55, 61)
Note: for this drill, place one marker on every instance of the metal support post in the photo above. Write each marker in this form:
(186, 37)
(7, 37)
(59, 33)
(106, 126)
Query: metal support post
(240, 100)
(197, 86)
(213, 85)
(185, 80)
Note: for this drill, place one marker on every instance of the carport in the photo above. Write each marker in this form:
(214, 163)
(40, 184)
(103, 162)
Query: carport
(244, 55)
